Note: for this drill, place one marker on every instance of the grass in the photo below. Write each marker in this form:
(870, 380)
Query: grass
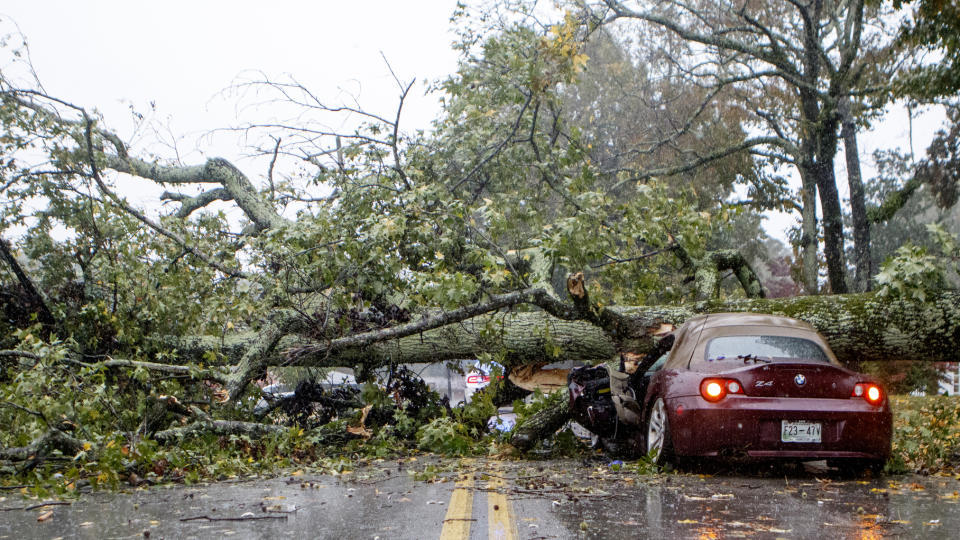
(926, 435)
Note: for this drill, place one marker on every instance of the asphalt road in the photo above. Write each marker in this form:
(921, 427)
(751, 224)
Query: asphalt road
(479, 499)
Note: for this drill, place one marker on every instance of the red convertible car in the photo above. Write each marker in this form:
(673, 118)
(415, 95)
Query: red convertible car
(739, 386)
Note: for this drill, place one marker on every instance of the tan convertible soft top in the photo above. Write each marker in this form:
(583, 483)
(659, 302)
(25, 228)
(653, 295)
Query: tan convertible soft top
(693, 335)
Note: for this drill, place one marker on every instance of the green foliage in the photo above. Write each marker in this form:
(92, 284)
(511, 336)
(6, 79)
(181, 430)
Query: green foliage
(111, 413)
(565, 443)
(429, 223)
(475, 414)
(522, 165)
(914, 272)
(644, 466)
(933, 27)
(911, 273)
(538, 402)
(445, 436)
(405, 426)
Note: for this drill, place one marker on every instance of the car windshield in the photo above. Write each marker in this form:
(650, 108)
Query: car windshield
(759, 349)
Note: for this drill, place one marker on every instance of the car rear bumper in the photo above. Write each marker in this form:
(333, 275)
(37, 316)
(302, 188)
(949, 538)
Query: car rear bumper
(751, 427)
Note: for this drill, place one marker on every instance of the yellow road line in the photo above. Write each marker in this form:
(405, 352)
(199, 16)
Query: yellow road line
(500, 512)
(456, 524)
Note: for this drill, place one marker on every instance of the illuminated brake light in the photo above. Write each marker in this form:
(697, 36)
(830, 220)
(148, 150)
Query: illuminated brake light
(717, 389)
(870, 392)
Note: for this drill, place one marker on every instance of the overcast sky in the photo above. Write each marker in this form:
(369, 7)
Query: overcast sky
(180, 54)
(112, 55)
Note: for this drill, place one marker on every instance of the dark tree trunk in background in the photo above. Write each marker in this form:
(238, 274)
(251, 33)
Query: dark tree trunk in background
(858, 207)
(832, 227)
(819, 142)
(808, 236)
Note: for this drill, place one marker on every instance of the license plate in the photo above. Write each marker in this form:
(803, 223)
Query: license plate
(800, 431)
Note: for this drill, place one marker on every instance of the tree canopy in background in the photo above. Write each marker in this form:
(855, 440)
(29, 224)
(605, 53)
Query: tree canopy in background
(933, 29)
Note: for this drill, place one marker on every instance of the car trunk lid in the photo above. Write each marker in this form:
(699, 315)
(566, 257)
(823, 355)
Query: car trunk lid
(796, 380)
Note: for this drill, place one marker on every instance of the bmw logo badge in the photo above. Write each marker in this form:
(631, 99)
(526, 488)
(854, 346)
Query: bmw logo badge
(800, 379)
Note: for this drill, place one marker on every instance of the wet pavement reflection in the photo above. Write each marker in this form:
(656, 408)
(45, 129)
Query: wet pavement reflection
(514, 499)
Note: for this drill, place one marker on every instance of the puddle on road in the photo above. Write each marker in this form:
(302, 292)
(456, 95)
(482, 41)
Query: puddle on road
(689, 506)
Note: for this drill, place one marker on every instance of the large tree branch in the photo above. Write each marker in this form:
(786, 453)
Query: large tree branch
(215, 170)
(708, 274)
(218, 427)
(51, 441)
(438, 320)
(850, 42)
(189, 205)
(253, 364)
(213, 375)
(120, 203)
(606, 319)
(702, 160)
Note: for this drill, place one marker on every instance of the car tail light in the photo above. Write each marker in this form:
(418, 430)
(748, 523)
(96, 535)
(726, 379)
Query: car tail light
(717, 389)
(868, 391)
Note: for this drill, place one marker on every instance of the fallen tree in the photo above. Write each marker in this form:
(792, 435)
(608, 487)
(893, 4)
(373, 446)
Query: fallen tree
(529, 324)
(859, 327)
(405, 261)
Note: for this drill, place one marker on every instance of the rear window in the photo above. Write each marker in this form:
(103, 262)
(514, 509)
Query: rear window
(764, 348)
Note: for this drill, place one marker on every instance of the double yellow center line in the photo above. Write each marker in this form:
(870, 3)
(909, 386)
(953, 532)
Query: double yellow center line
(500, 519)
(500, 511)
(456, 525)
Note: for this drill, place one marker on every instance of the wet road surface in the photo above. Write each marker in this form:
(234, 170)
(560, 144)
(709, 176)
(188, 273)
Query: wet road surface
(477, 499)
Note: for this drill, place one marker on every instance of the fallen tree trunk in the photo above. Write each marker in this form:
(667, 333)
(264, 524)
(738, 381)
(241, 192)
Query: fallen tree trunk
(859, 327)
(541, 425)
(42, 447)
(218, 427)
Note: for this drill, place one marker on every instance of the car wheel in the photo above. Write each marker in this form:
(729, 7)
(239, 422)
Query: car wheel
(659, 441)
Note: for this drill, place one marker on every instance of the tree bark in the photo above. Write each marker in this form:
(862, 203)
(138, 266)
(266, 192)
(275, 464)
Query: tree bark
(253, 364)
(809, 246)
(858, 206)
(708, 274)
(821, 134)
(541, 425)
(236, 185)
(859, 327)
(832, 227)
(218, 427)
(43, 446)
